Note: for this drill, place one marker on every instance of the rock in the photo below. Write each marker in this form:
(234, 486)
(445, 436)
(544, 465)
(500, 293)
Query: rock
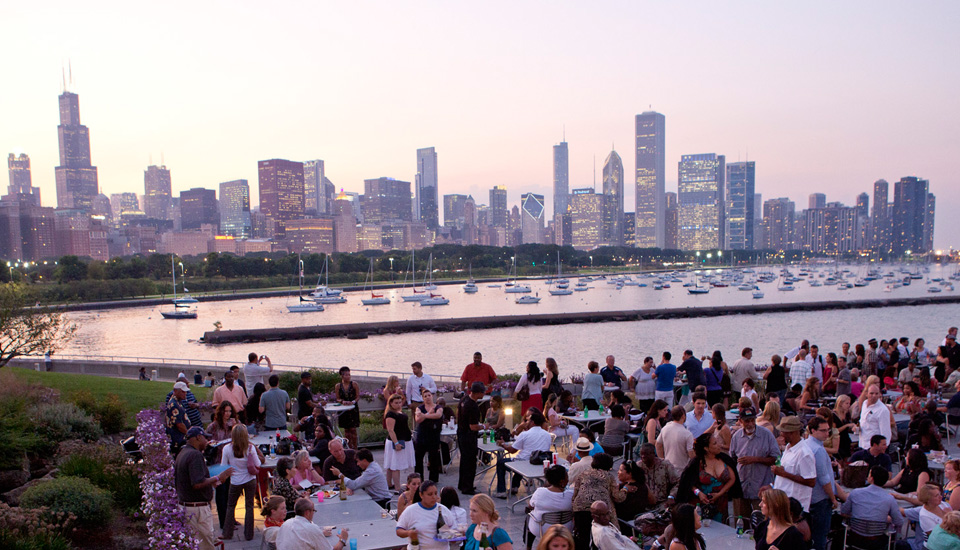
(11, 479)
(13, 497)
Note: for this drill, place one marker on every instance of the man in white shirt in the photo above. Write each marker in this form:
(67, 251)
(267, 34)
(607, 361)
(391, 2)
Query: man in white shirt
(743, 369)
(797, 473)
(416, 382)
(583, 448)
(792, 354)
(253, 372)
(528, 442)
(301, 533)
(816, 361)
(874, 418)
(801, 369)
(675, 442)
(605, 535)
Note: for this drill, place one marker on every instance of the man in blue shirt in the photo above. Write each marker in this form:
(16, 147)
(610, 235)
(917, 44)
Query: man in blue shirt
(822, 501)
(612, 374)
(693, 368)
(664, 376)
(872, 503)
(700, 420)
(876, 455)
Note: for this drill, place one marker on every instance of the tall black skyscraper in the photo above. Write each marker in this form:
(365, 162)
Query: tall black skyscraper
(650, 180)
(740, 207)
(77, 184)
(561, 178)
(909, 214)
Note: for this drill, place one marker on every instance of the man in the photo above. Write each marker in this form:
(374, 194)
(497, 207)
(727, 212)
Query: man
(675, 442)
(904, 347)
(664, 376)
(908, 374)
(197, 378)
(843, 376)
(468, 425)
(231, 392)
(801, 369)
(872, 503)
(607, 536)
(876, 455)
(847, 353)
(342, 460)
(531, 440)
(952, 331)
(301, 533)
(478, 371)
(236, 376)
(741, 370)
(953, 350)
(195, 486)
(797, 473)
(275, 404)
(254, 372)
(700, 421)
(190, 404)
(416, 382)
(792, 354)
(693, 368)
(305, 402)
(872, 360)
(755, 449)
(822, 499)
(816, 361)
(612, 374)
(308, 424)
(176, 418)
(371, 479)
(662, 479)
(584, 461)
(874, 418)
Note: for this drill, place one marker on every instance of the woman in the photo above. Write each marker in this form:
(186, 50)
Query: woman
(926, 384)
(224, 420)
(831, 370)
(714, 376)
(921, 354)
(909, 402)
(927, 437)
(945, 536)
(707, 480)
(425, 518)
(282, 485)
(557, 537)
(303, 469)
(776, 377)
(568, 403)
(411, 495)
(723, 432)
(555, 497)
(322, 436)
(347, 392)
(615, 430)
(933, 510)
(495, 418)
(655, 419)
(770, 418)
(274, 511)
(398, 449)
(748, 390)
(832, 443)
(777, 531)
(951, 493)
(391, 388)
(916, 474)
(252, 410)
(429, 420)
(551, 379)
(451, 499)
(860, 352)
(595, 484)
(810, 398)
(483, 518)
(530, 382)
(592, 387)
(558, 426)
(639, 498)
(845, 427)
(242, 457)
(645, 386)
(686, 521)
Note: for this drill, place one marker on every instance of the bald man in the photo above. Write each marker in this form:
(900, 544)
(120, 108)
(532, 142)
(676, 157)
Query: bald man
(344, 460)
(605, 535)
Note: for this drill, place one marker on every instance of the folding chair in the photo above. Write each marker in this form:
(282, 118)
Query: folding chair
(546, 520)
(269, 539)
(866, 534)
(953, 428)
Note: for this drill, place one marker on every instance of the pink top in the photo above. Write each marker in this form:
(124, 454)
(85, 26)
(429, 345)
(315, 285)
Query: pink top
(312, 474)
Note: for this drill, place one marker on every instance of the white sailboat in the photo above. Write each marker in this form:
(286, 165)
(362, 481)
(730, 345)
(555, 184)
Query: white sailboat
(323, 294)
(374, 299)
(417, 295)
(434, 300)
(561, 285)
(512, 286)
(428, 276)
(304, 305)
(181, 309)
(471, 286)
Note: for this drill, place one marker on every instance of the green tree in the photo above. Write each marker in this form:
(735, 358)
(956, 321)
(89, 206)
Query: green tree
(71, 268)
(26, 330)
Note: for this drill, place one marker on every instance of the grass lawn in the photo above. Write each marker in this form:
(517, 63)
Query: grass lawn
(136, 394)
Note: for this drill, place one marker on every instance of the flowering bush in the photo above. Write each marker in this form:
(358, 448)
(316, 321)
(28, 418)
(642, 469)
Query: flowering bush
(74, 496)
(576, 379)
(34, 523)
(166, 523)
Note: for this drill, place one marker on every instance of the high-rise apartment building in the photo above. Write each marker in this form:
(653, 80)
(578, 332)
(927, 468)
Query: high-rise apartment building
(758, 237)
(817, 200)
(671, 217)
(532, 218)
(879, 222)
(281, 191)
(198, 206)
(613, 200)
(77, 183)
(701, 205)
(314, 192)
(586, 219)
(561, 177)
(498, 206)
(27, 231)
(453, 205)
(909, 214)
(125, 204)
(426, 205)
(928, 221)
(629, 229)
(235, 218)
(386, 200)
(650, 180)
(21, 181)
(157, 193)
(739, 208)
(778, 223)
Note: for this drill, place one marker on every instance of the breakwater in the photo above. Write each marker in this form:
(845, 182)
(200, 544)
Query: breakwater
(363, 330)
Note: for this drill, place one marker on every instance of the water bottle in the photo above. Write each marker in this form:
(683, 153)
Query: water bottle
(739, 527)
(586, 412)
(601, 409)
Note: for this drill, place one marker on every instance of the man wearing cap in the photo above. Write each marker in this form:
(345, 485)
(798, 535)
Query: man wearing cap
(584, 462)
(872, 359)
(468, 424)
(755, 449)
(797, 473)
(176, 418)
(195, 486)
(190, 403)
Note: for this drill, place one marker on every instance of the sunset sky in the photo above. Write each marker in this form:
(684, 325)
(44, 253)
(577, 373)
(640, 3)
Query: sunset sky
(824, 96)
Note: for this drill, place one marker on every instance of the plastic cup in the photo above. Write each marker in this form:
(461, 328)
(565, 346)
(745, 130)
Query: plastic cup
(328, 530)
(353, 544)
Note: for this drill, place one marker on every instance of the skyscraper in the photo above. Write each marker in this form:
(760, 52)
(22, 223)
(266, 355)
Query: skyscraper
(561, 177)
(21, 182)
(817, 200)
(650, 180)
(586, 219)
(428, 211)
(157, 193)
(198, 206)
(701, 206)
(532, 214)
(386, 200)
(613, 200)
(671, 216)
(739, 214)
(314, 197)
(281, 191)
(909, 214)
(878, 220)
(778, 222)
(928, 222)
(77, 182)
(124, 203)
(498, 206)
(235, 209)
(453, 213)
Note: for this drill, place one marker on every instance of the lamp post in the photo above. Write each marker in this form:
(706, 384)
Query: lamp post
(391, 270)
(591, 263)
(719, 255)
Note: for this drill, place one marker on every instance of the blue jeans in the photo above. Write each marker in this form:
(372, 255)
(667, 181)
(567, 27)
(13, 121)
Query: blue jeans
(820, 514)
(502, 475)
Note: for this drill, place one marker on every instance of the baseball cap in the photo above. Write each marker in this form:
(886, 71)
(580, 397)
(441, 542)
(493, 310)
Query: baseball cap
(583, 444)
(478, 387)
(790, 424)
(197, 430)
(747, 414)
(181, 386)
(951, 337)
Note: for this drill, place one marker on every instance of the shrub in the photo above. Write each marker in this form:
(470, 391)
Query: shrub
(70, 495)
(33, 529)
(58, 422)
(110, 411)
(322, 381)
(10, 540)
(106, 467)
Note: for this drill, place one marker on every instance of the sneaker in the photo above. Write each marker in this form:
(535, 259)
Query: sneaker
(501, 494)
(514, 491)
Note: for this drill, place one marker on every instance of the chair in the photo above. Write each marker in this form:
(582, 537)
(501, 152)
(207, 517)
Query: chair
(548, 518)
(873, 531)
(269, 539)
(954, 427)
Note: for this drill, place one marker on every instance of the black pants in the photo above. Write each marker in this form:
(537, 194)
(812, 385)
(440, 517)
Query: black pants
(433, 450)
(468, 461)
(714, 397)
(220, 496)
(645, 404)
(591, 404)
(581, 529)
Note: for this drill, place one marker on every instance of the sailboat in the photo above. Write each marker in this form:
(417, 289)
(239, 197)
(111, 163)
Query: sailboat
(561, 285)
(417, 295)
(434, 300)
(304, 305)
(471, 286)
(374, 299)
(512, 286)
(428, 276)
(323, 294)
(696, 288)
(528, 300)
(181, 310)
(186, 299)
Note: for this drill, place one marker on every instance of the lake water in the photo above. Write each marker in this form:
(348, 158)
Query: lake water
(141, 332)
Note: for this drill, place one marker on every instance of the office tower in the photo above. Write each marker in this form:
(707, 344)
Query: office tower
(629, 229)
(310, 235)
(561, 177)
(700, 197)
(586, 219)
(532, 214)
(879, 222)
(909, 214)
(77, 183)
(314, 195)
(613, 201)
(235, 218)
(863, 213)
(498, 206)
(198, 206)
(386, 200)
(470, 233)
(281, 191)
(101, 207)
(157, 195)
(345, 224)
(27, 231)
(739, 208)
(817, 200)
(427, 209)
(21, 182)
(671, 221)
(514, 227)
(650, 180)
(928, 221)
(821, 228)
(124, 204)
(758, 238)
(453, 205)
(778, 224)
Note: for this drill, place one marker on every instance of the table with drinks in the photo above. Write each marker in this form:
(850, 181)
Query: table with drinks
(333, 411)
(719, 535)
(369, 526)
(533, 472)
(587, 418)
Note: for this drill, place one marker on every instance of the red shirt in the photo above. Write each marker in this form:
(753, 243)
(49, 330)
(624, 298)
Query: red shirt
(484, 373)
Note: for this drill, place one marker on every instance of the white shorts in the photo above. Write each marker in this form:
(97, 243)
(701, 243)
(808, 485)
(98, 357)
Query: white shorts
(666, 396)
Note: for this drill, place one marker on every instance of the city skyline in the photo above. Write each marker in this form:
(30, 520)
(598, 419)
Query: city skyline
(843, 149)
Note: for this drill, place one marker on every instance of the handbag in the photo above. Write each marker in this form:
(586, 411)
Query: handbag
(653, 523)
(251, 465)
(524, 393)
(538, 457)
(855, 475)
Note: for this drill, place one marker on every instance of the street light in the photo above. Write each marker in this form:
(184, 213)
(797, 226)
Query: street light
(591, 263)
(391, 270)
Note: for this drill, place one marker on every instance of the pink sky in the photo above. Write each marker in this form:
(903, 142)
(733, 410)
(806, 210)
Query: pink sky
(825, 97)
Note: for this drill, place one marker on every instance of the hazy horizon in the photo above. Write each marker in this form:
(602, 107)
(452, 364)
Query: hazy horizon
(826, 98)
